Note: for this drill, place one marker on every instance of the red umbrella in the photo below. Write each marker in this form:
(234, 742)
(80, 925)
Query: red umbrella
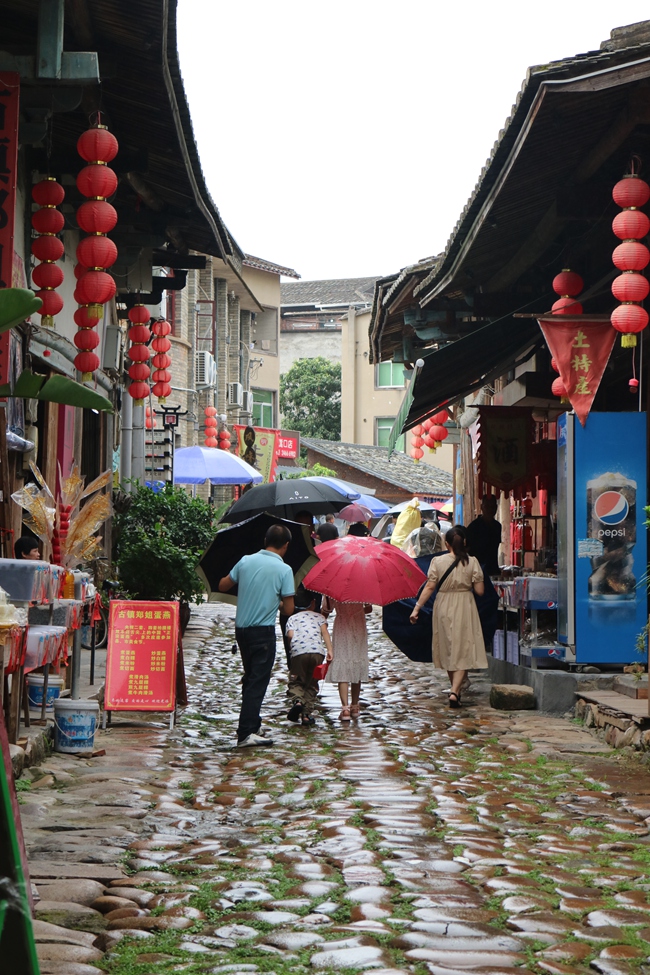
(355, 512)
(364, 570)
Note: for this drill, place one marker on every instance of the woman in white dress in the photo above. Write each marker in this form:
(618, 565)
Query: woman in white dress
(350, 643)
(457, 636)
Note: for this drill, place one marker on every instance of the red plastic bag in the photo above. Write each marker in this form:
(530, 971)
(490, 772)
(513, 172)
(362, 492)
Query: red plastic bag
(320, 670)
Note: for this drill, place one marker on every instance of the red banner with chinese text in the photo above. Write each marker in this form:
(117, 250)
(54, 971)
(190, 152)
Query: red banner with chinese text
(581, 350)
(141, 656)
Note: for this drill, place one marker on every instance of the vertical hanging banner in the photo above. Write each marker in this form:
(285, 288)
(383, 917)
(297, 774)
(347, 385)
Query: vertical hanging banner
(141, 656)
(581, 347)
(9, 95)
(256, 445)
(505, 439)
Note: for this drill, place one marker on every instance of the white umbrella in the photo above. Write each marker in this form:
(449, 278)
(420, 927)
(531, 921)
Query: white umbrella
(196, 465)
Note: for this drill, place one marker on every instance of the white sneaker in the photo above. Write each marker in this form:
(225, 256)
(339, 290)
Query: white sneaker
(254, 741)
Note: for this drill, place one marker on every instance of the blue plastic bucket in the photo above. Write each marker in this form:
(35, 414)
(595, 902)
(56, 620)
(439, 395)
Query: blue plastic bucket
(75, 723)
(35, 691)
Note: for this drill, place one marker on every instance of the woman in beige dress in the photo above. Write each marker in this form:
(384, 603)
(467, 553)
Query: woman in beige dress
(457, 637)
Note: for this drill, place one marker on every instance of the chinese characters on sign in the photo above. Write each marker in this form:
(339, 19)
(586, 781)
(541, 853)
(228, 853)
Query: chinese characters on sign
(581, 350)
(141, 657)
(504, 450)
(262, 447)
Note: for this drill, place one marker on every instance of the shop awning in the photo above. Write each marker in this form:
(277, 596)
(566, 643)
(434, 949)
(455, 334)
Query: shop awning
(464, 366)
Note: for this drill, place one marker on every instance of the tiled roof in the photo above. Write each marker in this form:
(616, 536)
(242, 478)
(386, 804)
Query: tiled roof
(340, 291)
(262, 265)
(400, 470)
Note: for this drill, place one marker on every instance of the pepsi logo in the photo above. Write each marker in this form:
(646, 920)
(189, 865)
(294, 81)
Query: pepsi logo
(611, 508)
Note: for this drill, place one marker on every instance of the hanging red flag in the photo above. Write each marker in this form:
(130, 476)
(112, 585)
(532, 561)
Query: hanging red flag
(581, 348)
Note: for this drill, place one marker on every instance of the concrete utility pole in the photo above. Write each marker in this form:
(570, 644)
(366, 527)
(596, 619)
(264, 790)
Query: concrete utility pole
(137, 450)
(127, 439)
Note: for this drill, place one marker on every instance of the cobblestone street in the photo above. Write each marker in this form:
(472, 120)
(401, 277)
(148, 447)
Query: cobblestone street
(418, 839)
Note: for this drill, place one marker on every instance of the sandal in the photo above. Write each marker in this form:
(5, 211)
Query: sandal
(345, 714)
(354, 710)
(454, 699)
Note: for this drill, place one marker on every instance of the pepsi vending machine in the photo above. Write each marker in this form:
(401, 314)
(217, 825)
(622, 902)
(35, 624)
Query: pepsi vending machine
(602, 550)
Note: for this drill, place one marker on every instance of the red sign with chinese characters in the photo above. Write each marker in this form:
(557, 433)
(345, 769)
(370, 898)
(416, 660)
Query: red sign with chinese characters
(581, 349)
(287, 444)
(141, 656)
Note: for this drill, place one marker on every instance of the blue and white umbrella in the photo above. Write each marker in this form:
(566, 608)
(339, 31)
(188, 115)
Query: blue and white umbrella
(196, 465)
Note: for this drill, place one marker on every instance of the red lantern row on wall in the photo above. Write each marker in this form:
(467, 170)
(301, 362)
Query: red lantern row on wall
(47, 248)
(162, 360)
(139, 353)
(631, 257)
(96, 252)
(211, 423)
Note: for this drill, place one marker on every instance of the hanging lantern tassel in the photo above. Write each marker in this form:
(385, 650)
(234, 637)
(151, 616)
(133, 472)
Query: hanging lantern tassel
(47, 248)
(630, 257)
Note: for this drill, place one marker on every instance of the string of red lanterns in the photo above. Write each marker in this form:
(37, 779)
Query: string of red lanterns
(211, 423)
(47, 248)
(97, 147)
(161, 360)
(630, 257)
(224, 437)
(567, 284)
(139, 353)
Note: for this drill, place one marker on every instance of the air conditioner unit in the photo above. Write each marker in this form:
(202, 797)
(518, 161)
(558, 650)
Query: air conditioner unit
(235, 395)
(112, 351)
(205, 369)
(247, 406)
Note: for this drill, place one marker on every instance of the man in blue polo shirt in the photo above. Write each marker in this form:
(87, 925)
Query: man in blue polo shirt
(265, 584)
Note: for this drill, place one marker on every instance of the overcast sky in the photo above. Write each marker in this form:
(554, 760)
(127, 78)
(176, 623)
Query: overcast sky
(343, 138)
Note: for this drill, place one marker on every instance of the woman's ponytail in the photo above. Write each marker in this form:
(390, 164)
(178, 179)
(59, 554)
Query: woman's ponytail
(456, 538)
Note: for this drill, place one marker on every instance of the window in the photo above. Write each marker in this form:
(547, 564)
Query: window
(264, 332)
(263, 408)
(390, 374)
(383, 426)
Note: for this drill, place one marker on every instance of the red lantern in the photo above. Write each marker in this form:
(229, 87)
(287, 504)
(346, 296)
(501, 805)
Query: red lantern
(439, 418)
(559, 389)
(52, 304)
(630, 286)
(97, 181)
(631, 256)
(417, 441)
(224, 435)
(566, 306)
(48, 193)
(96, 251)
(631, 224)
(224, 445)
(429, 441)
(210, 411)
(554, 366)
(211, 442)
(86, 339)
(48, 221)
(439, 433)
(161, 344)
(161, 361)
(48, 248)
(139, 315)
(138, 391)
(162, 376)
(629, 319)
(428, 423)
(417, 454)
(86, 363)
(95, 288)
(567, 283)
(631, 191)
(150, 419)
(139, 372)
(139, 353)
(84, 318)
(47, 276)
(96, 217)
(97, 145)
(139, 333)
(161, 327)
(211, 421)
(162, 390)
(417, 430)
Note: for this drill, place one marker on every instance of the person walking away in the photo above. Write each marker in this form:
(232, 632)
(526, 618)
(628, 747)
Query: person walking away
(457, 637)
(310, 642)
(265, 584)
(359, 528)
(350, 641)
(484, 535)
(327, 532)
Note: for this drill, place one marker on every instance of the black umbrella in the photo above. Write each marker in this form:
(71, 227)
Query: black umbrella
(246, 538)
(286, 498)
(414, 639)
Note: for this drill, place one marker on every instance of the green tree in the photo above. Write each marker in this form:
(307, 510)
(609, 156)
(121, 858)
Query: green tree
(310, 398)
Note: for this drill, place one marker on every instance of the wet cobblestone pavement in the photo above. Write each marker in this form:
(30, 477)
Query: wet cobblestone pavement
(417, 839)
